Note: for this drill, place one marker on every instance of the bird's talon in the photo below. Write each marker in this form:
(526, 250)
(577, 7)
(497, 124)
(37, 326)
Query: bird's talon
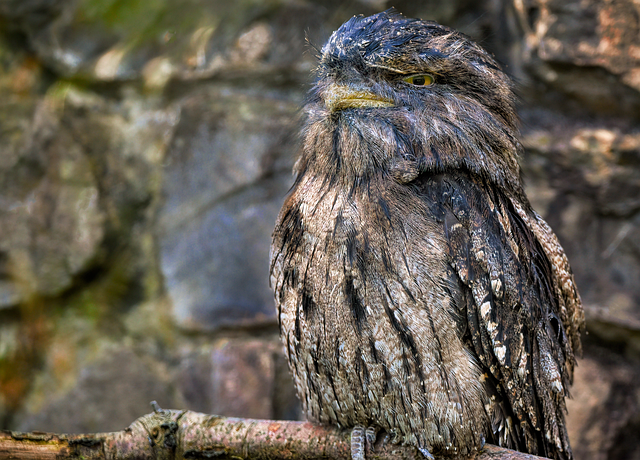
(370, 437)
(358, 443)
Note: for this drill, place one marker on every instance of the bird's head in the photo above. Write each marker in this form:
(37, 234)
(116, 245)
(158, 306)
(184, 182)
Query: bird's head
(393, 92)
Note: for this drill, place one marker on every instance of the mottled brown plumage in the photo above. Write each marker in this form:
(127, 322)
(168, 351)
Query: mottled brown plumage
(417, 290)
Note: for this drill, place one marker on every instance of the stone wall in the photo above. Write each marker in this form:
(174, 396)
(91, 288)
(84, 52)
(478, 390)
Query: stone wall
(145, 149)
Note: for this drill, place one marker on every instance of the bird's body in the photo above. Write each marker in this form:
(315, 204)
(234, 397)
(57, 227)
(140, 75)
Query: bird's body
(417, 290)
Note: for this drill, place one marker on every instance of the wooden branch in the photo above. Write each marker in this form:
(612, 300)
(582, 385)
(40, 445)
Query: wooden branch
(172, 434)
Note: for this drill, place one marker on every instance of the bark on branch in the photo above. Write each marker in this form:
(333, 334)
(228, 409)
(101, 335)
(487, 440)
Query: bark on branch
(173, 434)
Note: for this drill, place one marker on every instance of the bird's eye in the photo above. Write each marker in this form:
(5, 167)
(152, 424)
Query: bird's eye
(419, 80)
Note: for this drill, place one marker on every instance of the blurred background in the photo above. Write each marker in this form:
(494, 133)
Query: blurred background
(145, 150)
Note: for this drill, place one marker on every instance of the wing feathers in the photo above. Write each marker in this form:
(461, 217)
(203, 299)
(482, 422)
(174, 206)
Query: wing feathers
(522, 310)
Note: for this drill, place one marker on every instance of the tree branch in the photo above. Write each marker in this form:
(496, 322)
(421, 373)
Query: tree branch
(173, 434)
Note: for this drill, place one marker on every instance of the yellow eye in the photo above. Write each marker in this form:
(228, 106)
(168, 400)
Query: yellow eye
(419, 80)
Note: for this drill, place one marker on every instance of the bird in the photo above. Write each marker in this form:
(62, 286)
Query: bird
(418, 293)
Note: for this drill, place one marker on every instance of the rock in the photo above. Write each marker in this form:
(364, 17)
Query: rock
(246, 381)
(603, 156)
(29, 15)
(194, 379)
(118, 42)
(588, 50)
(213, 283)
(224, 184)
(51, 221)
(109, 393)
(239, 377)
(80, 176)
(603, 414)
(243, 379)
(195, 40)
(583, 177)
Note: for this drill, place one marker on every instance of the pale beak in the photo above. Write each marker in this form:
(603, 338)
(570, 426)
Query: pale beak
(338, 97)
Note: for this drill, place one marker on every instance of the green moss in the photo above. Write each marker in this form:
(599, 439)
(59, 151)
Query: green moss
(123, 16)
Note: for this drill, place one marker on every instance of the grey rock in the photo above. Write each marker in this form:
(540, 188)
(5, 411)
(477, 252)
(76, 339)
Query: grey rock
(79, 176)
(224, 181)
(225, 140)
(109, 394)
(50, 217)
(215, 264)
(169, 39)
